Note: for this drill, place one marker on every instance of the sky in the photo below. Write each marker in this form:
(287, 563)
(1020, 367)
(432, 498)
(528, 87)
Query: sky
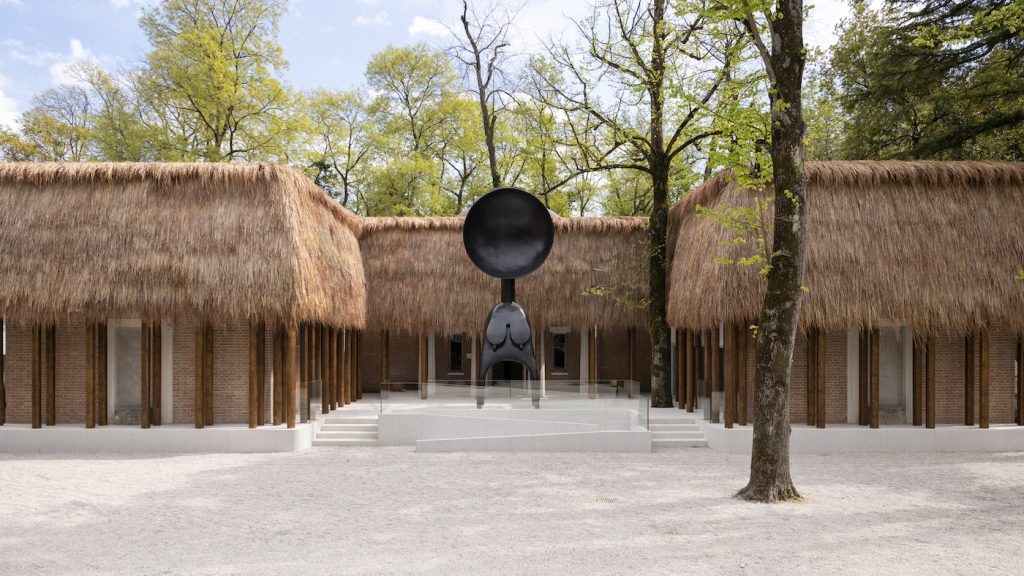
(327, 42)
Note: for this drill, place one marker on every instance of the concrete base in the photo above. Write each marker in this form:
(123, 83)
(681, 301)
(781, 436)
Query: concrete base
(839, 438)
(175, 438)
(572, 430)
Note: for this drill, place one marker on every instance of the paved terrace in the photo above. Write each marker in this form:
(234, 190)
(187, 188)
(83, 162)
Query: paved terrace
(393, 511)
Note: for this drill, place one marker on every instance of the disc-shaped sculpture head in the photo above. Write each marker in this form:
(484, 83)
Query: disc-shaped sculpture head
(508, 233)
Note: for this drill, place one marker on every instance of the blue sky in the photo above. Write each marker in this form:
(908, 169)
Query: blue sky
(327, 42)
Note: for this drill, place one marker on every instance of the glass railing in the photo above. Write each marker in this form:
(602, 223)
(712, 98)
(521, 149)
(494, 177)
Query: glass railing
(517, 395)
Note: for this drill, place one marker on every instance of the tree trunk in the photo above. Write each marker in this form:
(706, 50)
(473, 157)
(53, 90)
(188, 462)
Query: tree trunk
(770, 479)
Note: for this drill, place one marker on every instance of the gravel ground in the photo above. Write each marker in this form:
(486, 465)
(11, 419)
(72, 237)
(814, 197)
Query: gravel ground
(391, 511)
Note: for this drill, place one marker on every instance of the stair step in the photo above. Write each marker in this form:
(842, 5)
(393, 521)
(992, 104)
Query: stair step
(671, 427)
(677, 436)
(687, 420)
(345, 442)
(332, 427)
(663, 443)
(348, 434)
(336, 420)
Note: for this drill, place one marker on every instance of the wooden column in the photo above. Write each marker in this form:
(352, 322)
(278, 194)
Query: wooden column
(339, 384)
(729, 375)
(357, 360)
(200, 364)
(332, 369)
(929, 391)
(208, 377)
(90, 376)
(983, 379)
(424, 348)
(102, 386)
(741, 374)
(812, 376)
(631, 362)
(874, 378)
(156, 386)
(144, 403)
(385, 357)
(37, 377)
(715, 398)
(51, 376)
(705, 357)
(261, 374)
(3, 377)
(277, 343)
(325, 369)
(1020, 382)
(691, 370)
(288, 373)
(918, 382)
(592, 361)
(822, 405)
(969, 381)
(353, 335)
(864, 378)
(254, 383)
(681, 367)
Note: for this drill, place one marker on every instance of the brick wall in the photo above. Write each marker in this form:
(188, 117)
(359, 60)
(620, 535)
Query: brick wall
(231, 373)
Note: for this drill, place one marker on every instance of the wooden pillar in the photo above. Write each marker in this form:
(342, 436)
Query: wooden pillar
(156, 368)
(37, 377)
(289, 353)
(339, 384)
(3, 376)
(144, 403)
(729, 375)
(385, 357)
(631, 362)
(822, 405)
(812, 376)
(90, 375)
(691, 369)
(325, 369)
(208, 376)
(681, 367)
(277, 343)
(705, 356)
(592, 360)
(357, 357)
(983, 379)
(1020, 382)
(352, 364)
(332, 370)
(102, 386)
(969, 381)
(715, 397)
(874, 378)
(200, 364)
(918, 383)
(51, 376)
(423, 365)
(261, 374)
(864, 378)
(253, 376)
(741, 374)
(929, 391)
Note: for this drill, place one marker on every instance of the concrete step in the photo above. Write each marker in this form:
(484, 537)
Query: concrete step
(666, 443)
(343, 426)
(667, 427)
(350, 420)
(371, 435)
(345, 442)
(677, 436)
(680, 420)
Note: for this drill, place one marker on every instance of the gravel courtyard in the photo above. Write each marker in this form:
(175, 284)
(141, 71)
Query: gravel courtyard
(393, 511)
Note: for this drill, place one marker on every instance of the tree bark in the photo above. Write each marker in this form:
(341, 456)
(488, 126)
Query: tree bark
(770, 479)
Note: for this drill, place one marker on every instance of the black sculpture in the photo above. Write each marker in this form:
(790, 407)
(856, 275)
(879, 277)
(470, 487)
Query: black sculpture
(508, 234)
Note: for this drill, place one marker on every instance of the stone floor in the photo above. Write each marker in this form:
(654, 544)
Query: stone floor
(394, 511)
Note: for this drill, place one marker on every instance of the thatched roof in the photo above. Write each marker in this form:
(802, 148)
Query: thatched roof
(224, 242)
(419, 277)
(936, 243)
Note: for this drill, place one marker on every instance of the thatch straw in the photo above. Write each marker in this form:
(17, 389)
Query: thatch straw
(419, 277)
(935, 243)
(223, 242)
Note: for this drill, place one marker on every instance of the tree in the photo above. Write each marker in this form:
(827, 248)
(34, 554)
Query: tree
(932, 79)
(655, 65)
(57, 126)
(339, 143)
(213, 71)
(120, 129)
(482, 49)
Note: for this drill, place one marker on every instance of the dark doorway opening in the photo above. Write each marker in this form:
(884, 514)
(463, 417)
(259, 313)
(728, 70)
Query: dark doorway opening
(507, 371)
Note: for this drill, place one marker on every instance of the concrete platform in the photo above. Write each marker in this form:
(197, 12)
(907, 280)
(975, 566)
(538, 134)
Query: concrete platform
(172, 438)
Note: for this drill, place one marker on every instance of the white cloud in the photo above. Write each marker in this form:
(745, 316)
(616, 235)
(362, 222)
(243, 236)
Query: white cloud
(379, 19)
(16, 3)
(8, 106)
(122, 4)
(427, 27)
(60, 71)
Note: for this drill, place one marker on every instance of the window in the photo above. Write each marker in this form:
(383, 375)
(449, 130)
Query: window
(558, 364)
(455, 355)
